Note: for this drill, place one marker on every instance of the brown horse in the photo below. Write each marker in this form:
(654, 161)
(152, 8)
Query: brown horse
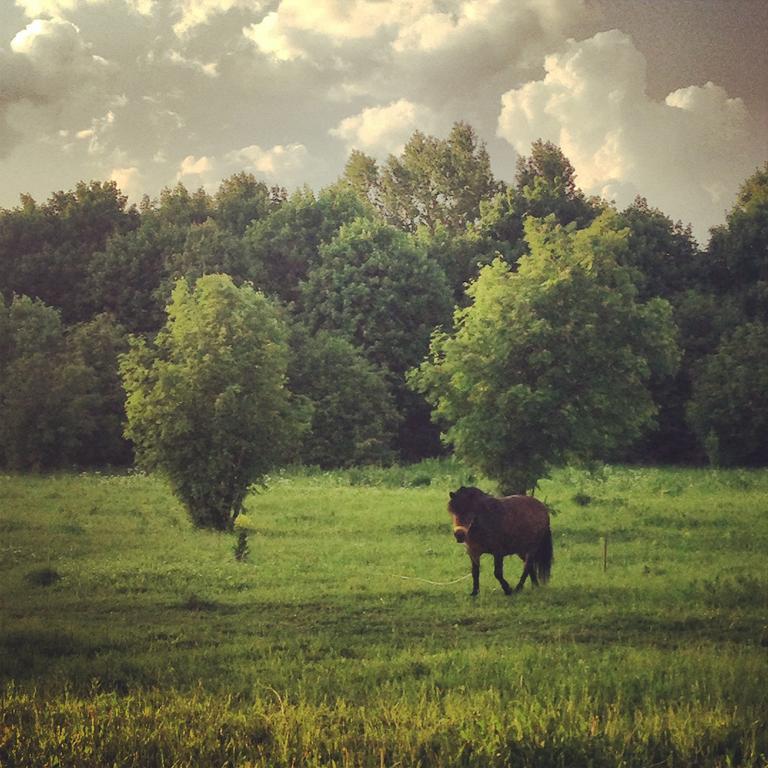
(511, 525)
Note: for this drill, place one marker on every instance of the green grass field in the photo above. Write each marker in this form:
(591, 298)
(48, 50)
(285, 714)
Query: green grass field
(129, 638)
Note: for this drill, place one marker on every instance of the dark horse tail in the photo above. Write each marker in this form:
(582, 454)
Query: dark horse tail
(544, 557)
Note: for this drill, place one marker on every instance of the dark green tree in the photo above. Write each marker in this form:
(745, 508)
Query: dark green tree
(48, 403)
(241, 200)
(47, 251)
(545, 185)
(377, 288)
(354, 419)
(208, 249)
(728, 408)
(98, 343)
(738, 251)
(129, 278)
(284, 246)
(666, 262)
(663, 253)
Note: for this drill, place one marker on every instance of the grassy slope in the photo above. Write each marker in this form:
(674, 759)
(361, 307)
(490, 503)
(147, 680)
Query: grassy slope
(315, 650)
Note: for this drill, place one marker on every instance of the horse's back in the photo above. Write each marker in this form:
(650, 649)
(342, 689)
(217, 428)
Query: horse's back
(524, 521)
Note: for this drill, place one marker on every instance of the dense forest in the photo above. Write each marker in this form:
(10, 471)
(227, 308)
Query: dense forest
(361, 274)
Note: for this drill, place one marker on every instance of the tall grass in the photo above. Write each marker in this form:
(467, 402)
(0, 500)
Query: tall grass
(344, 636)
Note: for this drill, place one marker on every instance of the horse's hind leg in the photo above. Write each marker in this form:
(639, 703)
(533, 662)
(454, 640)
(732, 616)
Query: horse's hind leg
(531, 568)
(498, 572)
(527, 571)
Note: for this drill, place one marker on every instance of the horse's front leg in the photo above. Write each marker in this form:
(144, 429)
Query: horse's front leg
(475, 574)
(498, 572)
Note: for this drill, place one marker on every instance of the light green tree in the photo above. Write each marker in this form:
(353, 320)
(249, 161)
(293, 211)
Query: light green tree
(207, 402)
(550, 363)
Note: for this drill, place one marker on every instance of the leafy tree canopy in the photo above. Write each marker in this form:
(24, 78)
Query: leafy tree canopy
(375, 286)
(545, 185)
(284, 246)
(664, 254)
(552, 362)
(728, 408)
(48, 393)
(241, 200)
(207, 402)
(354, 418)
(434, 182)
(47, 251)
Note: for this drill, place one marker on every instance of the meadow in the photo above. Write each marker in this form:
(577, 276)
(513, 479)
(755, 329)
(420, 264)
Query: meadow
(347, 636)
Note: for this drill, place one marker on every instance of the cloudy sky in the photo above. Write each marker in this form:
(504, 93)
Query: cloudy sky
(668, 98)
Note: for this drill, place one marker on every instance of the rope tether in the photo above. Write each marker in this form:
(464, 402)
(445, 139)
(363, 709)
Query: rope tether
(427, 581)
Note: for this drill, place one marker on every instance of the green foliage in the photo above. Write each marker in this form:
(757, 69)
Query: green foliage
(284, 246)
(128, 278)
(207, 403)
(375, 286)
(86, 253)
(545, 185)
(664, 254)
(459, 254)
(208, 249)
(740, 248)
(353, 411)
(98, 343)
(241, 200)
(550, 363)
(48, 393)
(434, 182)
(178, 207)
(47, 251)
(728, 407)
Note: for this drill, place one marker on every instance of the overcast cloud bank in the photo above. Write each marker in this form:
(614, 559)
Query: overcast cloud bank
(194, 90)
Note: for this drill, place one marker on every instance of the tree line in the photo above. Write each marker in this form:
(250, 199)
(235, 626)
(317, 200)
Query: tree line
(524, 319)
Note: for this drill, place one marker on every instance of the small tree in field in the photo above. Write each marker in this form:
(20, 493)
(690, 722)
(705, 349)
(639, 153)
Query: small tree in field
(207, 403)
(550, 363)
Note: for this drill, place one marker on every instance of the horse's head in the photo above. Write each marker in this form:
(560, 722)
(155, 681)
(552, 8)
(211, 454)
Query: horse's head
(464, 506)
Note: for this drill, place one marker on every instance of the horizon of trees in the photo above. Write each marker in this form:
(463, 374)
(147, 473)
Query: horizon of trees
(362, 273)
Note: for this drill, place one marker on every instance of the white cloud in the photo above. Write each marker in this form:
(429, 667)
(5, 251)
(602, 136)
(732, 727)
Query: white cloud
(280, 32)
(129, 180)
(453, 56)
(273, 163)
(384, 130)
(488, 23)
(271, 41)
(685, 154)
(195, 166)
